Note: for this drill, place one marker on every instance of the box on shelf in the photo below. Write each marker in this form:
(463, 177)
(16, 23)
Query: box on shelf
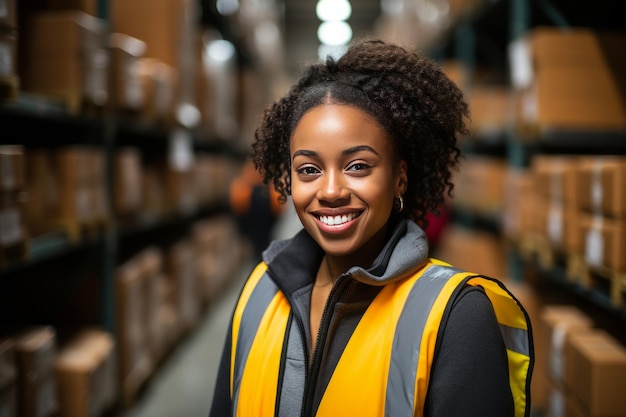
(8, 15)
(86, 373)
(12, 167)
(127, 85)
(135, 360)
(492, 110)
(479, 184)
(161, 83)
(597, 373)
(36, 350)
(556, 177)
(159, 23)
(602, 185)
(8, 378)
(558, 223)
(66, 58)
(556, 324)
(604, 242)
(8, 55)
(82, 211)
(181, 270)
(42, 187)
(127, 190)
(151, 263)
(576, 79)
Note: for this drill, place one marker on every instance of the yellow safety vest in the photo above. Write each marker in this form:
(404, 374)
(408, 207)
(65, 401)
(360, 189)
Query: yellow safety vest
(389, 384)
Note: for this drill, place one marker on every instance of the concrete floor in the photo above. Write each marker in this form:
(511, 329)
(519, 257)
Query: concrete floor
(183, 386)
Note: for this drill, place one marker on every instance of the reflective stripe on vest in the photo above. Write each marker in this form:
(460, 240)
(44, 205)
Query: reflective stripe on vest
(408, 313)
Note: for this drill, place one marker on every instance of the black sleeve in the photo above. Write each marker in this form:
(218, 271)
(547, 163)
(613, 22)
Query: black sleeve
(470, 374)
(221, 404)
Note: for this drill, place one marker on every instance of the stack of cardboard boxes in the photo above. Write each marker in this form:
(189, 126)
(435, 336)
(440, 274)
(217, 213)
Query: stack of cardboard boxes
(569, 79)
(161, 293)
(572, 211)
(584, 365)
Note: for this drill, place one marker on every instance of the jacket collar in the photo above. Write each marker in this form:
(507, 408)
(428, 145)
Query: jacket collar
(293, 262)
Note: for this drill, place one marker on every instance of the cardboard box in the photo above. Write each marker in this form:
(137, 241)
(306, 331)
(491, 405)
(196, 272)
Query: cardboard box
(43, 191)
(181, 270)
(563, 404)
(151, 262)
(127, 85)
(559, 224)
(158, 23)
(12, 167)
(602, 185)
(492, 110)
(66, 34)
(66, 56)
(132, 333)
(479, 184)
(557, 323)
(8, 15)
(558, 47)
(577, 79)
(13, 228)
(74, 171)
(127, 181)
(36, 349)
(160, 81)
(604, 241)
(577, 98)
(85, 369)
(598, 373)
(8, 55)
(556, 177)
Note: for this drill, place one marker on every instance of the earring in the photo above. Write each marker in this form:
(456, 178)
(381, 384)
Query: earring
(399, 203)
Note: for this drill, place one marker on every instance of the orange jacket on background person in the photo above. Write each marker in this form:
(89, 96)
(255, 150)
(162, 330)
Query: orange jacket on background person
(241, 187)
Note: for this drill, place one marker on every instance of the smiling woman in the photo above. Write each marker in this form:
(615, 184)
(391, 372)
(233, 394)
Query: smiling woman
(365, 147)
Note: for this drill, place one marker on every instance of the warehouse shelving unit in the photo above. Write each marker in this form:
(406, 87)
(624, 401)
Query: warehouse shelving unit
(481, 39)
(34, 121)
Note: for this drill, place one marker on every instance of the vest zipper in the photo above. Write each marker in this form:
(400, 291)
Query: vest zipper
(313, 373)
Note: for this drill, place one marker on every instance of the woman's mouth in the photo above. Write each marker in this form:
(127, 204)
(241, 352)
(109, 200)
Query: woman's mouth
(338, 219)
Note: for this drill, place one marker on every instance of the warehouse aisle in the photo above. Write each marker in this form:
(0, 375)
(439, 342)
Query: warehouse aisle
(183, 386)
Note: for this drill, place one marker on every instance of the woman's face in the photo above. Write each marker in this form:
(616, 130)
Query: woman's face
(343, 180)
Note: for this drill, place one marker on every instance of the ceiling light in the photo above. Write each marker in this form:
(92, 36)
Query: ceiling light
(333, 10)
(334, 33)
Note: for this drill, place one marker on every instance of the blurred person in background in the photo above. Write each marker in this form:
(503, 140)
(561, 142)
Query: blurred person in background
(350, 316)
(255, 207)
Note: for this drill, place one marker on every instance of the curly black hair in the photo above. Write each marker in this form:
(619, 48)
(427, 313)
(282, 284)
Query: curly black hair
(421, 109)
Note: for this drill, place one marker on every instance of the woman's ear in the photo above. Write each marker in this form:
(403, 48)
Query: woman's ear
(401, 178)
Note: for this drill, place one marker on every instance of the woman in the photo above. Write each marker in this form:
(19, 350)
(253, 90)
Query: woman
(350, 317)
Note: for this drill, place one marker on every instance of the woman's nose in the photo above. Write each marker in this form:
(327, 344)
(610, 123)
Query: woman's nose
(333, 187)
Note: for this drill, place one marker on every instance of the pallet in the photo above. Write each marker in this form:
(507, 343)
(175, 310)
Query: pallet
(9, 88)
(606, 281)
(601, 281)
(81, 231)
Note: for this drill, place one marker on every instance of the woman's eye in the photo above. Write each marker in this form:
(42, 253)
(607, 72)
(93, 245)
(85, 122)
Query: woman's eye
(359, 166)
(308, 170)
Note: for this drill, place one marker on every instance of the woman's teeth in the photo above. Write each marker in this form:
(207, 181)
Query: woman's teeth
(337, 220)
